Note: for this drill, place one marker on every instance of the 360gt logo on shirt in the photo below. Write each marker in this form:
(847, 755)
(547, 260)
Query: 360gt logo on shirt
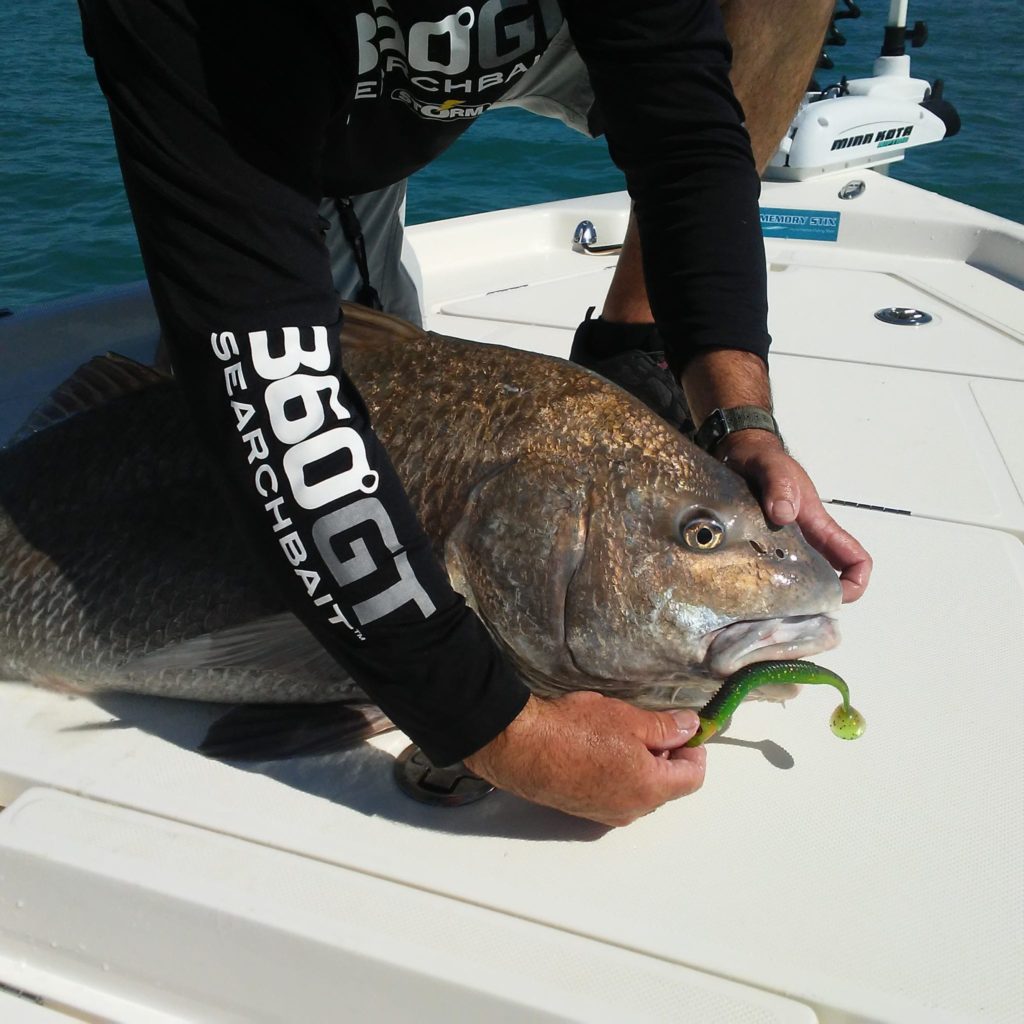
(326, 468)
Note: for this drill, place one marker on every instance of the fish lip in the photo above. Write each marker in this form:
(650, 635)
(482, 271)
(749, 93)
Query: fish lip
(746, 641)
(725, 650)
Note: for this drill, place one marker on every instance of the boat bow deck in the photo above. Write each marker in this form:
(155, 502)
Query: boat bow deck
(809, 879)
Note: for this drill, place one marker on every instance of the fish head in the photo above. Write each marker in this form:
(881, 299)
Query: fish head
(650, 578)
(682, 582)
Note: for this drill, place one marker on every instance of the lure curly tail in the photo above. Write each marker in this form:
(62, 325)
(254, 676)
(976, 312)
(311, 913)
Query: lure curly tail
(846, 721)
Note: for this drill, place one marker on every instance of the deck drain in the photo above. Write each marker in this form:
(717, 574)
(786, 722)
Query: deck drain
(444, 787)
(903, 316)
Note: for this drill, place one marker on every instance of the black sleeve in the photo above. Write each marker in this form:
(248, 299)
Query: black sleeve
(660, 72)
(219, 118)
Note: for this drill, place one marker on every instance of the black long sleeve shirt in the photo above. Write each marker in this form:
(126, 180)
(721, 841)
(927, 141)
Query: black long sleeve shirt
(232, 121)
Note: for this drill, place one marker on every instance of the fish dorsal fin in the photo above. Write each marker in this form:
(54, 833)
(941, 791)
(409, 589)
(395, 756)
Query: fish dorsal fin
(367, 329)
(92, 385)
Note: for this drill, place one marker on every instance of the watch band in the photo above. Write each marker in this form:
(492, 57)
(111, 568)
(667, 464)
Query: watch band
(723, 422)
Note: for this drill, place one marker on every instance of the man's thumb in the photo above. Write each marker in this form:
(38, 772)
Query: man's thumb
(666, 730)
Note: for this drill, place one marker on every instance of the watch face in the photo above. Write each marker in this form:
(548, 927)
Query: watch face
(712, 430)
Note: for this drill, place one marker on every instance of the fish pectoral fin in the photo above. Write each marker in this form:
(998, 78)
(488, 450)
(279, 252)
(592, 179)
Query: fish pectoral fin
(279, 643)
(271, 732)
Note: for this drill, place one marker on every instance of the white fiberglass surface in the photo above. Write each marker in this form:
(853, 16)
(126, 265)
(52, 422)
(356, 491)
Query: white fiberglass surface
(1002, 404)
(107, 905)
(897, 246)
(830, 314)
(16, 1009)
(822, 312)
(880, 878)
(918, 442)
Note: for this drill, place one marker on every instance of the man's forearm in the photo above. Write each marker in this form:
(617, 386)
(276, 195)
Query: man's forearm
(775, 45)
(723, 378)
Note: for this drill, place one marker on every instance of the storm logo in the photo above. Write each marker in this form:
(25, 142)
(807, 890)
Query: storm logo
(448, 110)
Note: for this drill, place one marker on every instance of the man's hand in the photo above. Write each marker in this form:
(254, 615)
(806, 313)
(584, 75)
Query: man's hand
(594, 757)
(726, 378)
(787, 496)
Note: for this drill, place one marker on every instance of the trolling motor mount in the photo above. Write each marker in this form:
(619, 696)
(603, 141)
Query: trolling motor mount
(866, 122)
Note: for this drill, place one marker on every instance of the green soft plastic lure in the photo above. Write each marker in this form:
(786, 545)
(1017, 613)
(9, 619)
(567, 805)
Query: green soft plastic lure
(846, 721)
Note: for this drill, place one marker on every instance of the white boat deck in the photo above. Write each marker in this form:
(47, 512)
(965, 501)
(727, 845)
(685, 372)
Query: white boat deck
(808, 880)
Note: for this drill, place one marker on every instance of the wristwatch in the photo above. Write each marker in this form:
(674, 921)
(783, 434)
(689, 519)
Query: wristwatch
(723, 422)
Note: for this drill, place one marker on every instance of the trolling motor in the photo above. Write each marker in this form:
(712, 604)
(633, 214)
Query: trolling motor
(866, 122)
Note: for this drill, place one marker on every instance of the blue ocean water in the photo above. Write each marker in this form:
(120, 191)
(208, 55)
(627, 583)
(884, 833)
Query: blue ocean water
(64, 221)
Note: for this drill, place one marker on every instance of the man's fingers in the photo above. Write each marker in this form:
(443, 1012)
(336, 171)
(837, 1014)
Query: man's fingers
(844, 552)
(767, 468)
(677, 773)
(783, 506)
(787, 496)
(682, 772)
(854, 583)
(665, 730)
(594, 756)
(854, 580)
(657, 779)
(669, 775)
(789, 493)
(676, 770)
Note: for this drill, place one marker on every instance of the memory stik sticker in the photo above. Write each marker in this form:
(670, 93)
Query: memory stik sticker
(811, 225)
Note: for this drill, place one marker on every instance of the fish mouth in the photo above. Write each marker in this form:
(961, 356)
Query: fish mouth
(748, 641)
(718, 654)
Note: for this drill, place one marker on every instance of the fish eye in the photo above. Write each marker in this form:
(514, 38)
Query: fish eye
(702, 533)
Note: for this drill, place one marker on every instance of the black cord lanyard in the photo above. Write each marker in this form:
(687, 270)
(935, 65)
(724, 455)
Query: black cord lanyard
(350, 225)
